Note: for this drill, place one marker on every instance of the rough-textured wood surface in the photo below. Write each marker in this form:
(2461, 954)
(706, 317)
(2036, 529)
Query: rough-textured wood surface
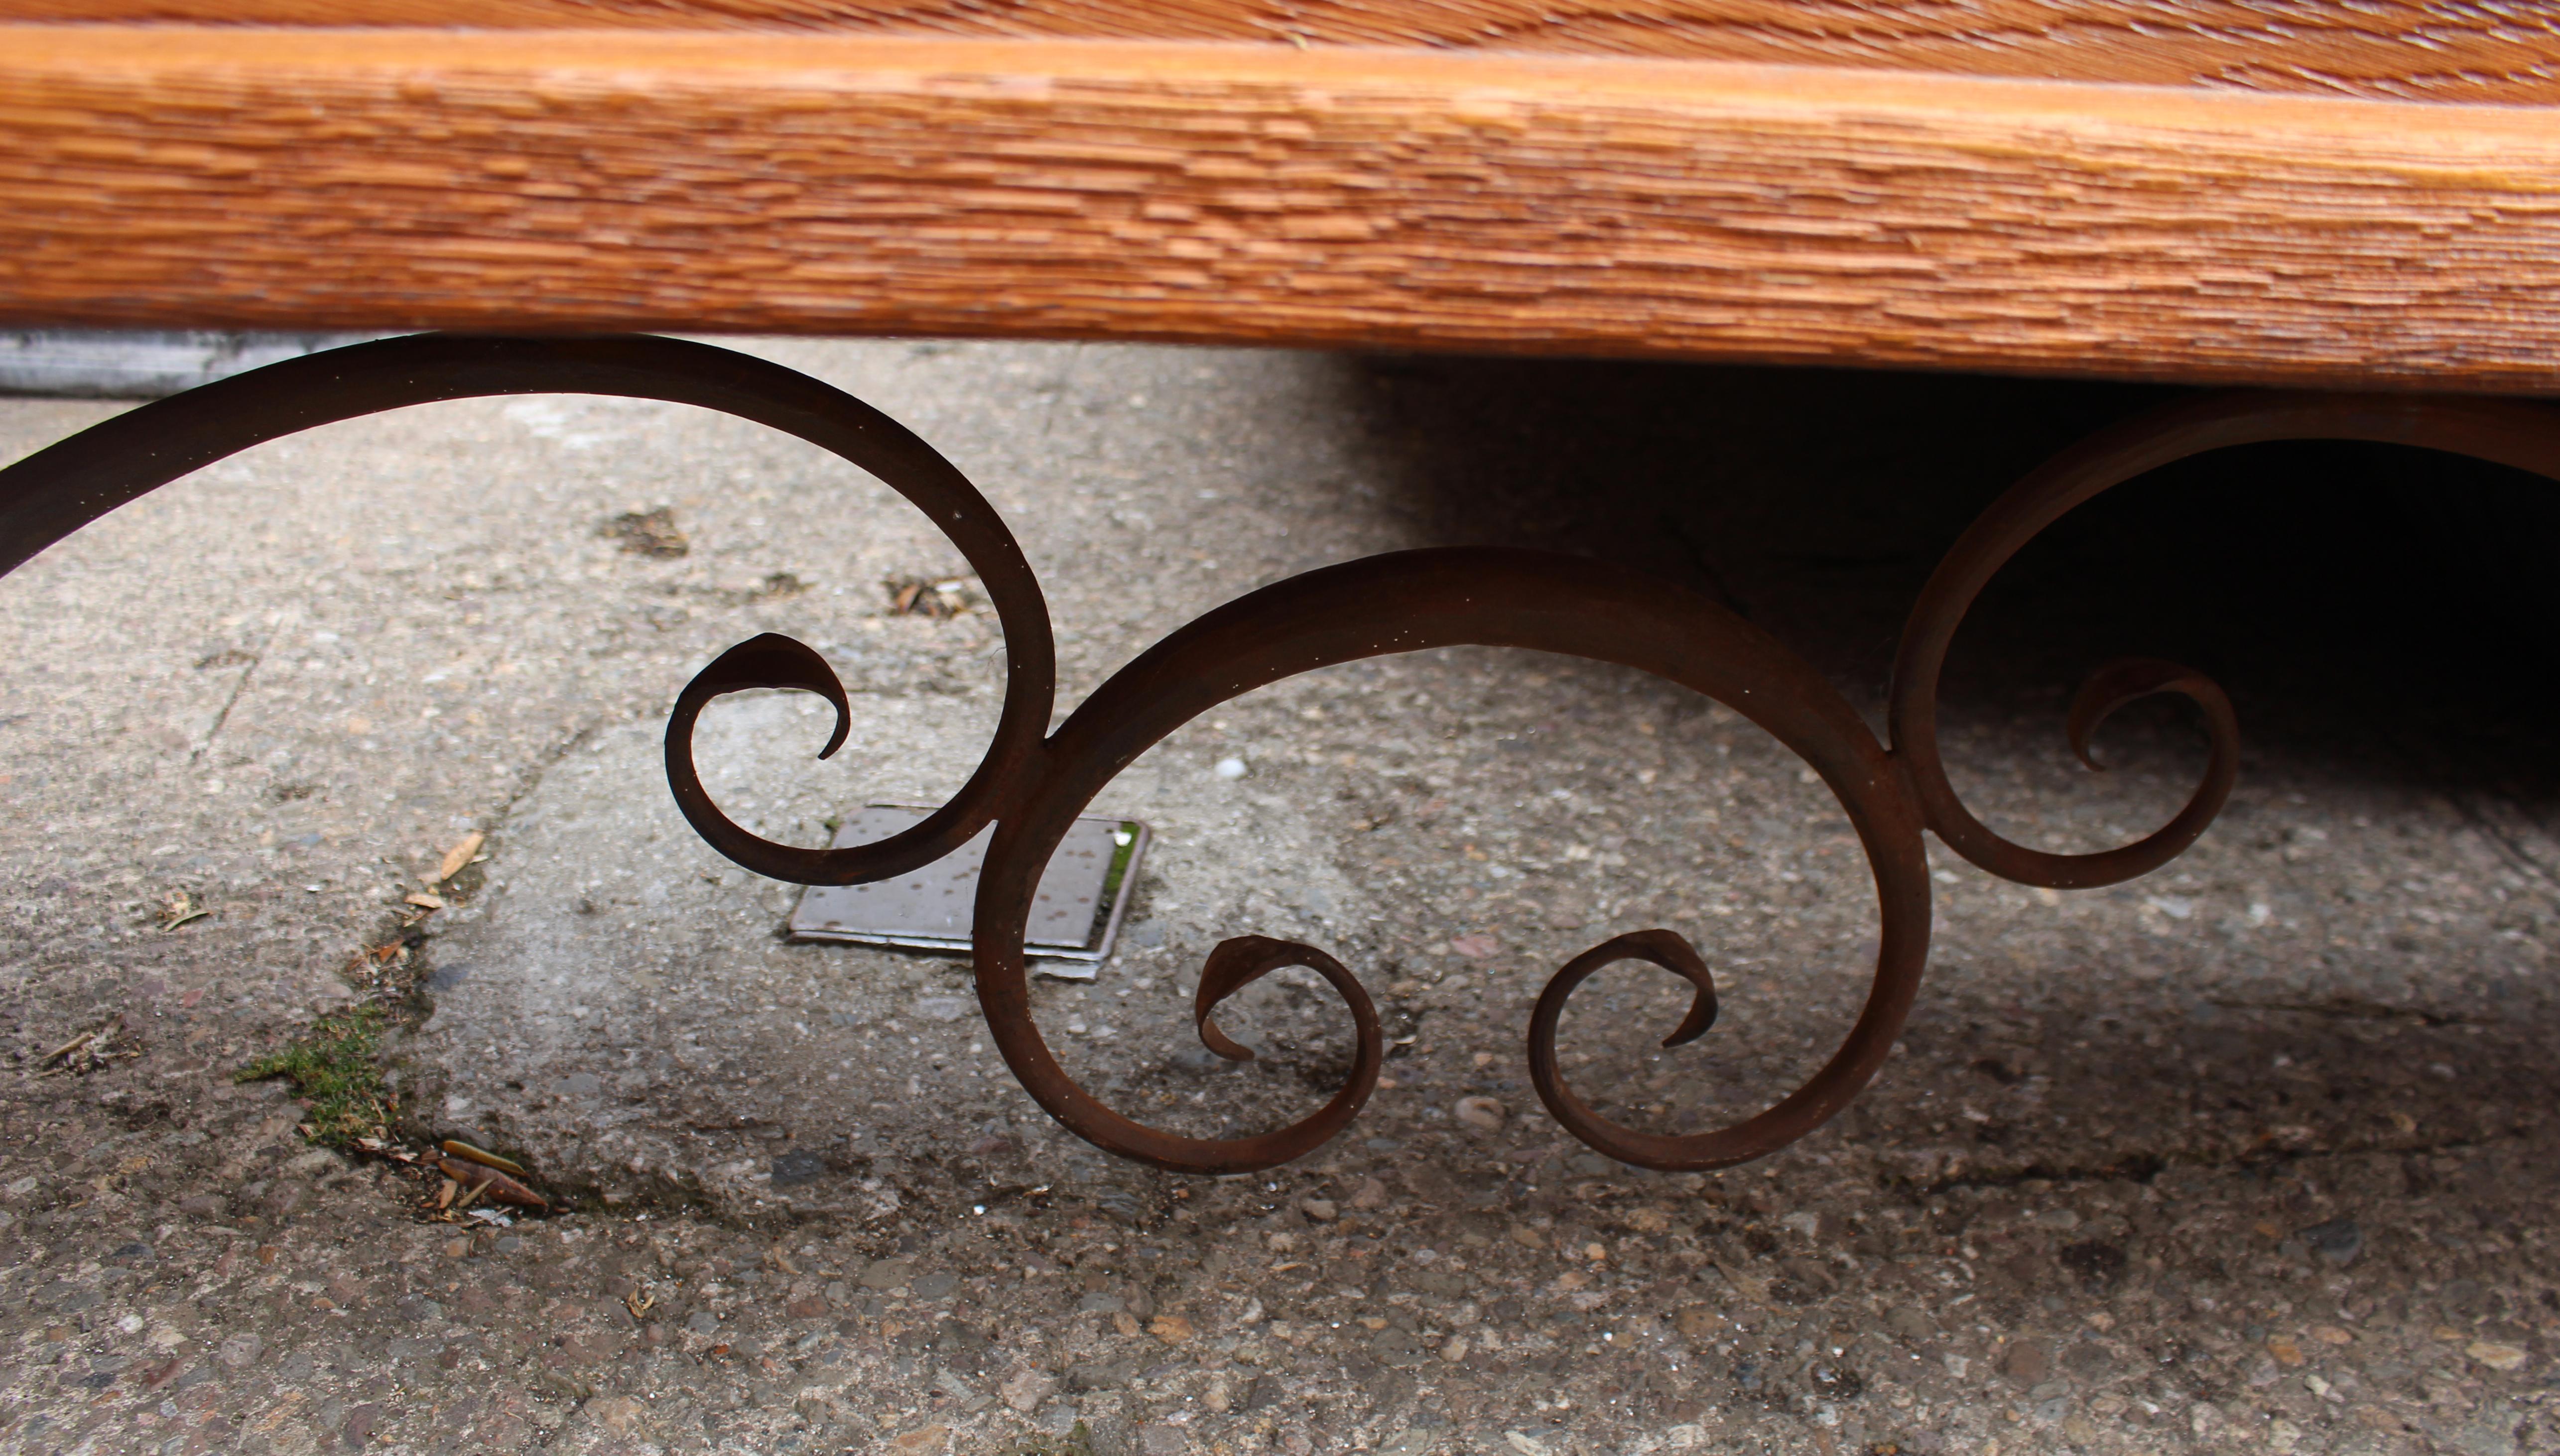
(370, 179)
(2430, 49)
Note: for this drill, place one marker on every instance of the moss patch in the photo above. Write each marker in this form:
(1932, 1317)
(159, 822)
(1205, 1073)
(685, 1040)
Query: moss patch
(335, 1067)
(1078, 1442)
(1109, 899)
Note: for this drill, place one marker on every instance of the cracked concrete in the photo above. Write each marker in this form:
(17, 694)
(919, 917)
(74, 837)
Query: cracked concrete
(2255, 1153)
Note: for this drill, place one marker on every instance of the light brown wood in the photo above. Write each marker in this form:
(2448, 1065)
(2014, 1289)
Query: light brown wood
(381, 179)
(2425, 50)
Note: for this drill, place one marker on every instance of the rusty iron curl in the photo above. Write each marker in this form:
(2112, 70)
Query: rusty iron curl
(1030, 787)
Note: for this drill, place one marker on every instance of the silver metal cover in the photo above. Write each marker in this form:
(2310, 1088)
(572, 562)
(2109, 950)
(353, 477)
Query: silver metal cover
(930, 908)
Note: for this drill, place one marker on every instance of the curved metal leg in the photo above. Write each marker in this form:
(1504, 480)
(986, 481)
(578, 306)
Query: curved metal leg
(1030, 788)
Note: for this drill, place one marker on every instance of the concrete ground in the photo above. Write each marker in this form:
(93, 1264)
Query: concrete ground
(2256, 1152)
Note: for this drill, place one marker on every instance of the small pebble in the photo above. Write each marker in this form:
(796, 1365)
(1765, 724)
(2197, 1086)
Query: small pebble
(2026, 1363)
(2339, 1240)
(1320, 1211)
(1229, 768)
(1026, 1390)
(887, 1274)
(619, 1414)
(240, 1351)
(2497, 1356)
(1484, 1114)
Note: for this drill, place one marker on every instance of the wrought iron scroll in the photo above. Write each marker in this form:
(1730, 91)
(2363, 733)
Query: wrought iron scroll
(1030, 788)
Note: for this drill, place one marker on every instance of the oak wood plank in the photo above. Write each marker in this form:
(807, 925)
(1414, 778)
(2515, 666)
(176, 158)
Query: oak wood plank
(2417, 50)
(389, 179)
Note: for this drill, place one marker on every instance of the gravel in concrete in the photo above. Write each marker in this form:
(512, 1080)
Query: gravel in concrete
(2253, 1153)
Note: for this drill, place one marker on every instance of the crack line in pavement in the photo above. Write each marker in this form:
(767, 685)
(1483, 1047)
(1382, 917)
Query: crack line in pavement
(2516, 853)
(2144, 1167)
(255, 655)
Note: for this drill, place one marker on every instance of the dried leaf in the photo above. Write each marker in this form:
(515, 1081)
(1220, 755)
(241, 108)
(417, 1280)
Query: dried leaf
(459, 856)
(177, 908)
(444, 1195)
(485, 1158)
(90, 1050)
(648, 534)
(425, 902)
(497, 1186)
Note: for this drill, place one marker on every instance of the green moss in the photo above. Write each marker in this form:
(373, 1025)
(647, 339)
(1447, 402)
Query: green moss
(1078, 1442)
(335, 1067)
(1126, 849)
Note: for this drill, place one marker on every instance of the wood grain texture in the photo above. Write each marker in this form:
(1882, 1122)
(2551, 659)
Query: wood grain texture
(2420, 50)
(384, 179)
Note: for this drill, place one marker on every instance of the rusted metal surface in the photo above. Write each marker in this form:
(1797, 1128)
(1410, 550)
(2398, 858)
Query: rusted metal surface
(1030, 788)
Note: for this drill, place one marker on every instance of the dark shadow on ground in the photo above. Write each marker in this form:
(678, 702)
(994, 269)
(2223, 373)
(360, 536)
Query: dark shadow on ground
(2384, 619)
(2374, 611)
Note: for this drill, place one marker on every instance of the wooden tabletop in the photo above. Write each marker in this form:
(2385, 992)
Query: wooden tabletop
(2257, 207)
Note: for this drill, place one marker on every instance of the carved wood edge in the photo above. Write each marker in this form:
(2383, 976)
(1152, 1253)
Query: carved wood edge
(385, 179)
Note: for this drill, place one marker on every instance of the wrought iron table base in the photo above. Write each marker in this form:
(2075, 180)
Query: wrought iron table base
(1031, 786)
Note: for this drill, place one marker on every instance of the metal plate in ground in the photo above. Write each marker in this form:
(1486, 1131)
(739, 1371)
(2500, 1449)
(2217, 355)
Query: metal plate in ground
(930, 908)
